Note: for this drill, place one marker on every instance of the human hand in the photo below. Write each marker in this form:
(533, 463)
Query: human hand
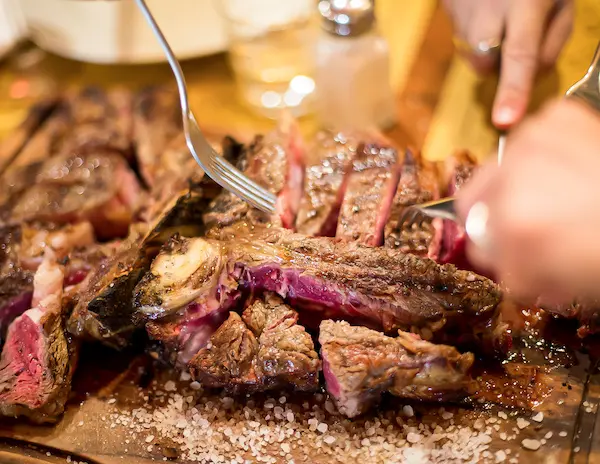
(543, 226)
(534, 32)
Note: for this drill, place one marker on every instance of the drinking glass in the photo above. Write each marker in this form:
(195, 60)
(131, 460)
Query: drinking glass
(272, 53)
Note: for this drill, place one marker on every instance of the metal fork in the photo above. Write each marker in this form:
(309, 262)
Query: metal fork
(214, 165)
(587, 89)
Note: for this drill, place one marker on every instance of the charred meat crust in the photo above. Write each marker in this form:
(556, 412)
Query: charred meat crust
(360, 364)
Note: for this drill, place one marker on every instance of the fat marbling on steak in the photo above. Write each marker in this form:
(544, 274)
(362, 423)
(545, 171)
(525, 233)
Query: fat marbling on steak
(380, 287)
(276, 162)
(419, 183)
(325, 182)
(360, 364)
(38, 357)
(371, 186)
(262, 350)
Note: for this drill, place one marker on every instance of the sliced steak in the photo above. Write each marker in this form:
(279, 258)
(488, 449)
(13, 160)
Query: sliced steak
(103, 308)
(38, 358)
(97, 186)
(157, 121)
(360, 364)
(371, 187)
(264, 350)
(377, 286)
(419, 183)
(325, 183)
(11, 146)
(96, 120)
(461, 167)
(275, 161)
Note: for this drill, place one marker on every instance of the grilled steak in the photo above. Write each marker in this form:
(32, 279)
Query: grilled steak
(325, 183)
(371, 187)
(38, 358)
(96, 186)
(157, 121)
(263, 350)
(360, 364)
(418, 183)
(380, 287)
(103, 308)
(12, 145)
(275, 161)
(461, 167)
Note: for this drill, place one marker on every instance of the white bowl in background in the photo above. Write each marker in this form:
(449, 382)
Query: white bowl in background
(107, 31)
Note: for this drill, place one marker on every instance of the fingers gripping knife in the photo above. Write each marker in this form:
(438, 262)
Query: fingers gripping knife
(587, 90)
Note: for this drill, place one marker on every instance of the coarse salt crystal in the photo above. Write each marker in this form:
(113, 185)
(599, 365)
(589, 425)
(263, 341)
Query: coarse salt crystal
(329, 439)
(413, 438)
(548, 436)
(502, 415)
(290, 416)
(195, 385)
(522, 423)
(282, 400)
(170, 386)
(446, 415)
(502, 436)
(149, 449)
(322, 427)
(149, 438)
(530, 444)
(577, 449)
(539, 417)
(285, 448)
(500, 456)
(185, 376)
(408, 410)
(112, 401)
(562, 434)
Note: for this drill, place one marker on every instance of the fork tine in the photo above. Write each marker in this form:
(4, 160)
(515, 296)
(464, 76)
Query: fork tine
(250, 187)
(243, 179)
(231, 184)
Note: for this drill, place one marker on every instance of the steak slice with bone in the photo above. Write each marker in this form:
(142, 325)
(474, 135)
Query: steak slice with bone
(264, 349)
(103, 307)
(360, 365)
(325, 183)
(38, 358)
(382, 288)
(371, 187)
(276, 162)
(419, 183)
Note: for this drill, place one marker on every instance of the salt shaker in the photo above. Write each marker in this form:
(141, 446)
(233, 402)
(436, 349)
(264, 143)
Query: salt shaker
(352, 68)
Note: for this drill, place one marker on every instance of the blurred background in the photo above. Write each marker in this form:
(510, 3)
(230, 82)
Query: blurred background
(246, 59)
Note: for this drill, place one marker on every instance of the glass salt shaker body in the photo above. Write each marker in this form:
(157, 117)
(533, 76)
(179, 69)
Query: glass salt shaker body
(352, 72)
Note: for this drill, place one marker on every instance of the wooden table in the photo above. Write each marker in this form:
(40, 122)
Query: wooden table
(442, 104)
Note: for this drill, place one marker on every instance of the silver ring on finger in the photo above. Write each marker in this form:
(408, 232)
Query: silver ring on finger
(476, 226)
(483, 48)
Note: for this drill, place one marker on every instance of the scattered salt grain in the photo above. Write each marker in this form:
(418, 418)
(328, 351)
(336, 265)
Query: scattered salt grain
(112, 401)
(195, 385)
(322, 427)
(522, 423)
(548, 436)
(329, 439)
(408, 411)
(170, 386)
(185, 376)
(149, 449)
(502, 415)
(562, 434)
(500, 456)
(539, 417)
(149, 438)
(413, 438)
(447, 415)
(577, 449)
(290, 416)
(282, 400)
(285, 448)
(80, 423)
(530, 444)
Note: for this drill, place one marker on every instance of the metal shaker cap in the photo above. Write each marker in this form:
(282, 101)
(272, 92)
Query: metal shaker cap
(347, 17)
